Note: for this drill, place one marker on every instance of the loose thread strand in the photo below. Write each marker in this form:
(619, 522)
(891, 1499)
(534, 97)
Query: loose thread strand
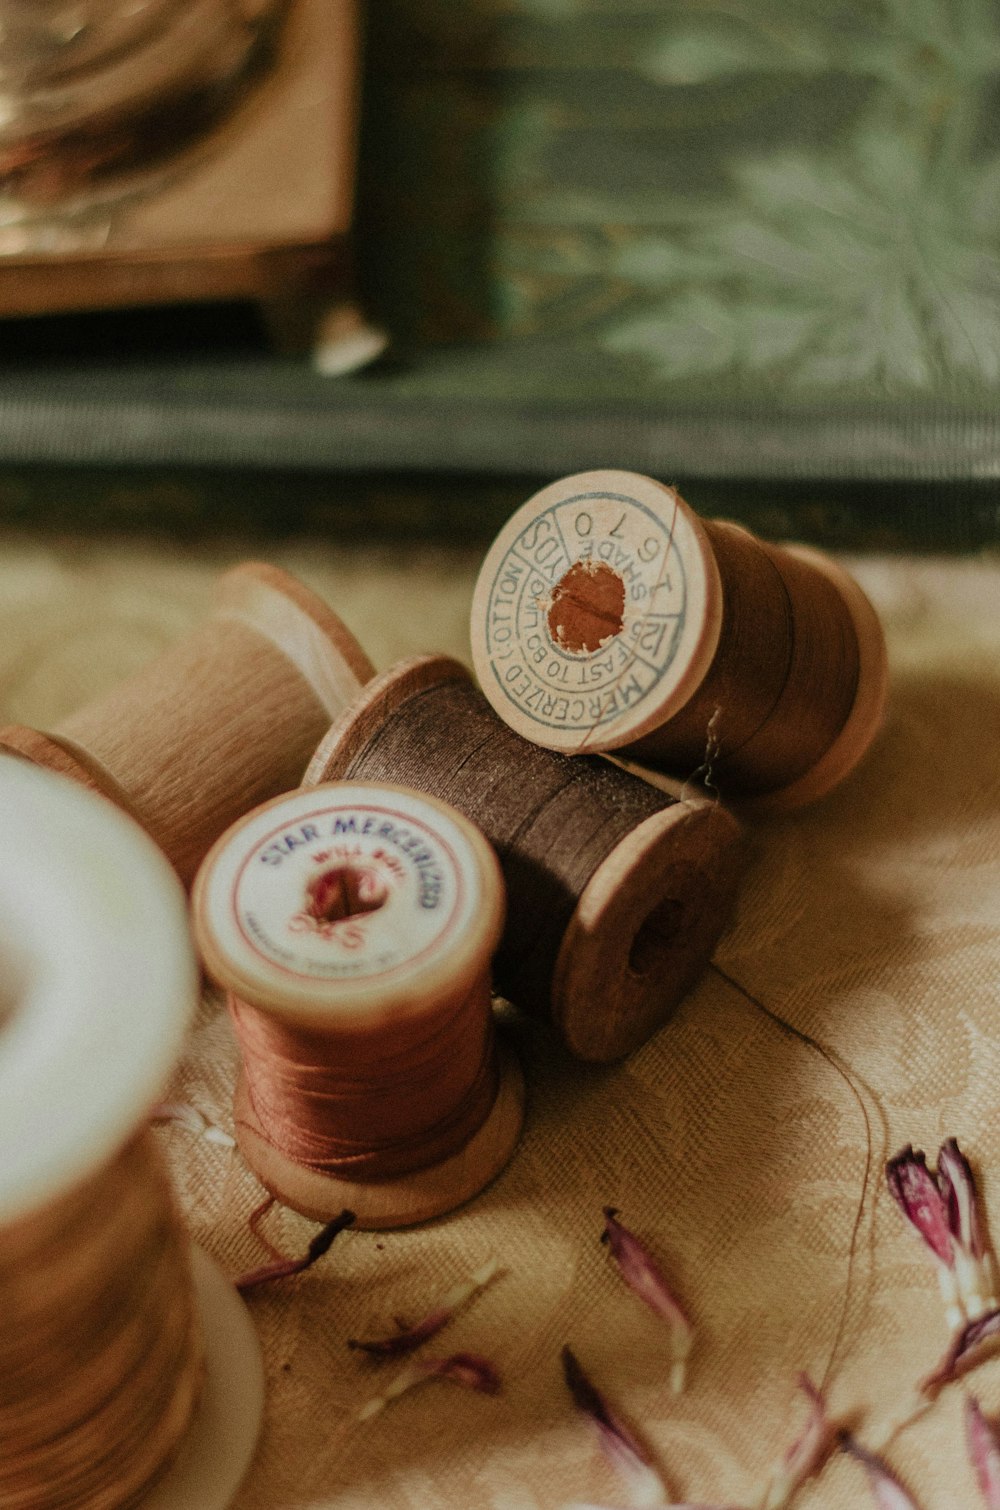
(703, 774)
(855, 1085)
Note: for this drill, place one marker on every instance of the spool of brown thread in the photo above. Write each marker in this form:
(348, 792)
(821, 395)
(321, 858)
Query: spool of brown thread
(222, 720)
(609, 617)
(616, 893)
(353, 926)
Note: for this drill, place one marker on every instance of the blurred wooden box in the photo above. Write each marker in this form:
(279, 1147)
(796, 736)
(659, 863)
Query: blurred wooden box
(260, 210)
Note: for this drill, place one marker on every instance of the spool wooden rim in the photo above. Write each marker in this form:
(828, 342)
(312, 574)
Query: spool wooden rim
(65, 758)
(349, 734)
(629, 885)
(406, 1199)
(419, 948)
(165, 747)
(300, 624)
(578, 695)
(95, 935)
(868, 711)
(101, 986)
(644, 925)
(220, 1442)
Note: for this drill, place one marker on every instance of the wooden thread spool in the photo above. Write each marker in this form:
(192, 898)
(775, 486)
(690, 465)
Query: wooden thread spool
(221, 721)
(616, 893)
(130, 1373)
(608, 617)
(353, 927)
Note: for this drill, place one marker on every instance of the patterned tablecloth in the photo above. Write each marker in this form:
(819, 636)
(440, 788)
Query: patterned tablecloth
(871, 922)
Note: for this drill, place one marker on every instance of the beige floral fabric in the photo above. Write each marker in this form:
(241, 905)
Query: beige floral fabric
(738, 1152)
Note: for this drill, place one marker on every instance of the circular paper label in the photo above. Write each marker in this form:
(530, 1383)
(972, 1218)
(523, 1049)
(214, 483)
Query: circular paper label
(631, 560)
(327, 890)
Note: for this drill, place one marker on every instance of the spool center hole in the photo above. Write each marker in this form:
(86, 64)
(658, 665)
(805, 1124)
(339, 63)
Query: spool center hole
(345, 891)
(657, 933)
(587, 608)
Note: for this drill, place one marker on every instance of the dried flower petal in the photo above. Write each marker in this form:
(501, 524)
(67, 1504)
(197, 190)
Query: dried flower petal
(622, 1447)
(410, 1337)
(191, 1118)
(916, 1192)
(643, 1276)
(961, 1354)
(468, 1369)
(958, 1190)
(807, 1453)
(984, 1450)
(283, 1268)
(974, 1261)
(887, 1491)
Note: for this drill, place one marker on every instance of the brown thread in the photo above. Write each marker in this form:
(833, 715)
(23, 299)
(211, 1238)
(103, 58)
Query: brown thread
(100, 1361)
(554, 821)
(370, 1058)
(222, 720)
(783, 679)
(377, 1105)
(550, 819)
(777, 643)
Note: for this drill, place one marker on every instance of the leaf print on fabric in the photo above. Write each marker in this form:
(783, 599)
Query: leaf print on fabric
(898, 43)
(725, 45)
(860, 266)
(869, 260)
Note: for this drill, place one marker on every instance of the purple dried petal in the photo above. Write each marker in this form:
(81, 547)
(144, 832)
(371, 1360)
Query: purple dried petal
(916, 1193)
(643, 1276)
(586, 1397)
(974, 1267)
(410, 1337)
(807, 1453)
(958, 1191)
(984, 1450)
(283, 1268)
(622, 1447)
(468, 1369)
(887, 1491)
(960, 1355)
(405, 1340)
(254, 1220)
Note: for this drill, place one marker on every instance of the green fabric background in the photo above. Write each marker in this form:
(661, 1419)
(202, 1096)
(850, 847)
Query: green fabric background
(744, 243)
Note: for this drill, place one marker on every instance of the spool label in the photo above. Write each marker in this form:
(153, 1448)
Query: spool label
(586, 684)
(349, 892)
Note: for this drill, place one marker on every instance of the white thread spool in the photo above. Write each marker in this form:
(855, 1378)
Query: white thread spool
(100, 985)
